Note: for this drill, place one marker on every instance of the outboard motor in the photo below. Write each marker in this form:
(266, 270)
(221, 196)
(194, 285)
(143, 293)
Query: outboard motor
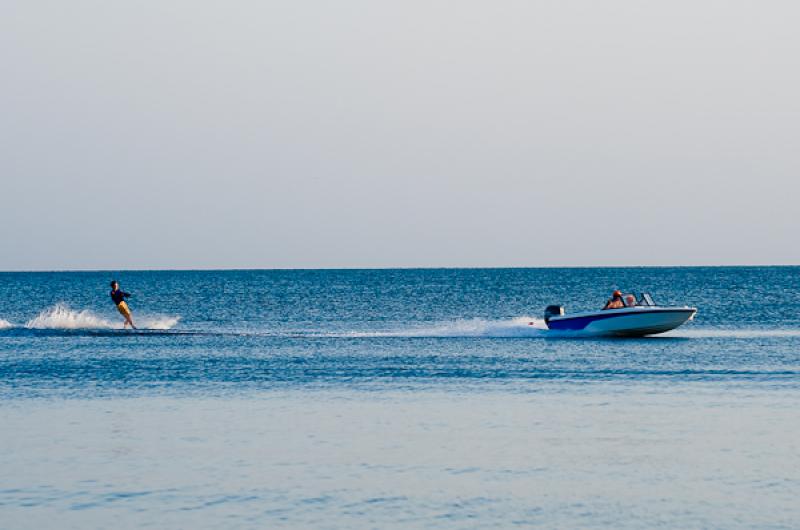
(553, 311)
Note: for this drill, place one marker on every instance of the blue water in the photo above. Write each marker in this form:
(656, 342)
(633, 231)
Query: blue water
(396, 398)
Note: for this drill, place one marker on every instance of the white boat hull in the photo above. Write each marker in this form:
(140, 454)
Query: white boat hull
(624, 322)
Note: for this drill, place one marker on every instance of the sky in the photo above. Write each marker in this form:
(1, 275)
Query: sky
(423, 133)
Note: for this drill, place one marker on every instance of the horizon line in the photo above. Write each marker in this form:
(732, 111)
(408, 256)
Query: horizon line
(396, 268)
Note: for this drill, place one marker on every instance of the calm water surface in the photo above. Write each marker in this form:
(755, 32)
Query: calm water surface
(396, 399)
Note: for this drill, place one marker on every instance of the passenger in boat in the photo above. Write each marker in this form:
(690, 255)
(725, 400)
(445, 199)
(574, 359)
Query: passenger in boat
(615, 302)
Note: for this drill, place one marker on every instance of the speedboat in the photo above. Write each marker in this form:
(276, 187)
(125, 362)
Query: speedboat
(636, 319)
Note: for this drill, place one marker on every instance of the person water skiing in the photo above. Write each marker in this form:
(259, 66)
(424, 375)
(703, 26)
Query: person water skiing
(119, 296)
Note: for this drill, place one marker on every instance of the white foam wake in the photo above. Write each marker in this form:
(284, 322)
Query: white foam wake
(476, 327)
(61, 316)
(741, 333)
(157, 322)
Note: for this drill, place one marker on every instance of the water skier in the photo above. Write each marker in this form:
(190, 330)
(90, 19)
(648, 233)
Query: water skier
(119, 296)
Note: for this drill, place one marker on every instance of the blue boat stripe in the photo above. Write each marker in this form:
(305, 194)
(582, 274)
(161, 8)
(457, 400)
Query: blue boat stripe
(578, 323)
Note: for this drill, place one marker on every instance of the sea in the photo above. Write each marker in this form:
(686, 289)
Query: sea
(408, 398)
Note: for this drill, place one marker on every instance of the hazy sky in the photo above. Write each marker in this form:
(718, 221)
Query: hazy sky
(191, 134)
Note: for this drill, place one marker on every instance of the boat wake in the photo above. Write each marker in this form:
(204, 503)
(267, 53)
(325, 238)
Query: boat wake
(61, 317)
(476, 327)
(742, 333)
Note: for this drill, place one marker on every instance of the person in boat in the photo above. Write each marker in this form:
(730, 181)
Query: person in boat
(119, 296)
(616, 301)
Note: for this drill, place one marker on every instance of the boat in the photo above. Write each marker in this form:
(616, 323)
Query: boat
(638, 318)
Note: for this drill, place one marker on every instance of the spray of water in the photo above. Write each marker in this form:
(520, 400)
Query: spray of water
(61, 316)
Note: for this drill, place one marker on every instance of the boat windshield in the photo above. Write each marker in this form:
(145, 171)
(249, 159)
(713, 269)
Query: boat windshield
(647, 300)
(629, 300)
